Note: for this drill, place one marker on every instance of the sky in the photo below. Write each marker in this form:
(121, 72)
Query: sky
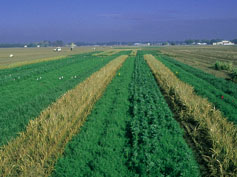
(116, 20)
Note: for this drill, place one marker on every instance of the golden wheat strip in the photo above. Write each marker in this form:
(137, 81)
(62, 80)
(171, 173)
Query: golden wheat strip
(133, 53)
(17, 64)
(36, 150)
(214, 137)
(109, 52)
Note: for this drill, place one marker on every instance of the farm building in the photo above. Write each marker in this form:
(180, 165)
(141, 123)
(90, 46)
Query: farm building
(225, 42)
(199, 43)
(142, 44)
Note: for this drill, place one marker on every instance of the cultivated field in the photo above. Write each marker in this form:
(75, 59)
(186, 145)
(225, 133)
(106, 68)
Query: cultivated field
(203, 57)
(24, 56)
(117, 113)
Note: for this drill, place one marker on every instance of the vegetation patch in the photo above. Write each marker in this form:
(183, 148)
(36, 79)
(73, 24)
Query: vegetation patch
(227, 66)
(212, 135)
(131, 132)
(99, 148)
(27, 90)
(220, 65)
(233, 75)
(222, 93)
(133, 53)
(109, 52)
(22, 63)
(35, 151)
(203, 57)
(157, 147)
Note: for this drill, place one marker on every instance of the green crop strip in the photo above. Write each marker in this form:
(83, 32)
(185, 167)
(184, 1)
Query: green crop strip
(157, 144)
(130, 132)
(25, 91)
(226, 86)
(211, 135)
(221, 93)
(8, 76)
(98, 149)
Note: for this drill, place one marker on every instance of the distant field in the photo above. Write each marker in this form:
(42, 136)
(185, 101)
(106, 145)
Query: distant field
(29, 55)
(203, 57)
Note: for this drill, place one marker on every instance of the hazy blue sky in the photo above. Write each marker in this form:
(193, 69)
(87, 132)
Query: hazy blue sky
(116, 20)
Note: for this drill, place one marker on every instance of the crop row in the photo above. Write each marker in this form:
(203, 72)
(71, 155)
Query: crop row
(28, 62)
(38, 86)
(107, 53)
(10, 76)
(213, 137)
(134, 52)
(219, 83)
(131, 132)
(223, 94)
(35, 151)
(157, 147)
(99, 148)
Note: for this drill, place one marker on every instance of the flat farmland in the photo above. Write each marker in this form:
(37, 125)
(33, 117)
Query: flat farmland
(203, 57)
(117, 112)
(24, 56)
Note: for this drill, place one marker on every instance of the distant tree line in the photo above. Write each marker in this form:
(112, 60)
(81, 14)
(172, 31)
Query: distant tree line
(103, 43)
(190, 41)
(11, 45)
(209, 42)
(58, 43)
(186, 42)
(234, 41)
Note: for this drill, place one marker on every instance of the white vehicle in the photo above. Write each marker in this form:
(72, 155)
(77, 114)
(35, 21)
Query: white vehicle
(57, 49)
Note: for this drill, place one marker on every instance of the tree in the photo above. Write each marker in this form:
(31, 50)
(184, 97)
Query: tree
(234, 41)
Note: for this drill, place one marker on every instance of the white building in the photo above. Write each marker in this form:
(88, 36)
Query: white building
(25, 46)
(225, 42)
(199, 43)
(142, 44)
